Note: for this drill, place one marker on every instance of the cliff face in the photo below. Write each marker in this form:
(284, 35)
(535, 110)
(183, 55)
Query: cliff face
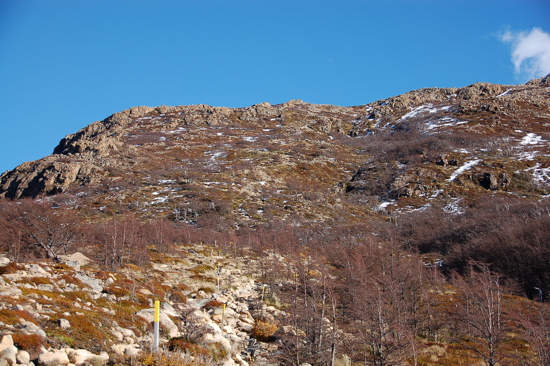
(303, 159)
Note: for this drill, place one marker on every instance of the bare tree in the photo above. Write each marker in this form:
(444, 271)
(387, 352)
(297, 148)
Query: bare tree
(38, 228)
(534, 323)
(479, 315)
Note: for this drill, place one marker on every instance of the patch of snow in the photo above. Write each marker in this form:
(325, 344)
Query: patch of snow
(177, 130)
(268, 129)
(219, 154)
(531, 139)
(160, 200)
(383, 205)
(444, 122)
(462, 169)
(424, 109)
(167, 181)
(528, 155)
(541, 176)
(409, 209)
(454, 208)
(250, 138)
(219, 133)
(436, 193)
(505, 93)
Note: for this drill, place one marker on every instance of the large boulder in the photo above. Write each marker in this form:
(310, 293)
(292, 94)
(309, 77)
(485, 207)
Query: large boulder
(23, 357)
(218, 338)
(94, 283)
(170, 327)
(75, 260)
(125, 349)
(54, 358)
(8, 351)
(85, 357)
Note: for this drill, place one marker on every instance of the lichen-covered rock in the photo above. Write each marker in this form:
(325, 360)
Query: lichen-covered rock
(55, 358)
(84, 357)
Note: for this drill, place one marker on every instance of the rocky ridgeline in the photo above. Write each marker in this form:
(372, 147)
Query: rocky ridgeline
(92, 153)
(72, 313)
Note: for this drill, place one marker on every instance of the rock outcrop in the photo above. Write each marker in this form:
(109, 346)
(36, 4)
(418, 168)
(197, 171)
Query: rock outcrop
(188, 161)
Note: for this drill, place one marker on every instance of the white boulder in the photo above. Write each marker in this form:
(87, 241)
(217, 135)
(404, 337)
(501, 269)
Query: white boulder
(8, 351)
(83, 357)
(170, 327)
(23, 357)
(54, 358)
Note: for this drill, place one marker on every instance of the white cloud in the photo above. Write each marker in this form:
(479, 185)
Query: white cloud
(530, 52)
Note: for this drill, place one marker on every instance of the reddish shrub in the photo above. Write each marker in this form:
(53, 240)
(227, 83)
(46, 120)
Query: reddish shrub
(30, 343)
(213, 304)
(11, 267)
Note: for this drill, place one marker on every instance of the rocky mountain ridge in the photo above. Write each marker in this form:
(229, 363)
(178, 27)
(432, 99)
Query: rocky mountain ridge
(264, 159)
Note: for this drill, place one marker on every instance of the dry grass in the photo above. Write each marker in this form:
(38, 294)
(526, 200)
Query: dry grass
(14, 317)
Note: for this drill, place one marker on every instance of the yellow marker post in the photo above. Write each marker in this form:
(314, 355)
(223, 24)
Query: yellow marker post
(156, 326)
(223, 314)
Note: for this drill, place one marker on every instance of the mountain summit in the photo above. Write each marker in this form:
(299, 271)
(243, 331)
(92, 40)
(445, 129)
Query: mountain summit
(319, 162)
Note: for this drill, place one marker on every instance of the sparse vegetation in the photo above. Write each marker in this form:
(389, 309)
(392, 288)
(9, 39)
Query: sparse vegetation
(408, 231)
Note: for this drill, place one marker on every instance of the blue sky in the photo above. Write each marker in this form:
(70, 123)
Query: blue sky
(67, 63)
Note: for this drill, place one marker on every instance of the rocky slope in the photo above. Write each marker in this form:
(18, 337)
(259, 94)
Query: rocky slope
(73, 313)
(318, 162)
